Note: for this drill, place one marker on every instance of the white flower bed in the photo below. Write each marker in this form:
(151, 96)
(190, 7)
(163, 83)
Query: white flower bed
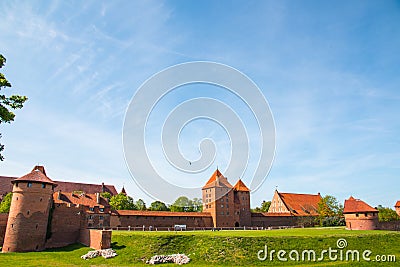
(106, 253)
(175, 258)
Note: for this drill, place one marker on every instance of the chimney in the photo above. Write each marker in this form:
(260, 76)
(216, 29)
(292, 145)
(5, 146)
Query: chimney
(59, 194)
(102, 188)
(98, 198)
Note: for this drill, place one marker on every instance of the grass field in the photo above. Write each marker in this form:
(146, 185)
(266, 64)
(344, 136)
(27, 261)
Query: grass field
(223, 248)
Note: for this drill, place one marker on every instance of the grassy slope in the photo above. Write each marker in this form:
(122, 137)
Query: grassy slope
(216, 248)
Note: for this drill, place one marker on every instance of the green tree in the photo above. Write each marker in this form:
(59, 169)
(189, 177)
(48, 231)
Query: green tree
(264, 207)
(387, 214)
(182, 204)
(6, 203)
(106, 195)
(197, 204)
(158, 206)
(122, 202)
(140, 204)
(329, 207)
(7, 103)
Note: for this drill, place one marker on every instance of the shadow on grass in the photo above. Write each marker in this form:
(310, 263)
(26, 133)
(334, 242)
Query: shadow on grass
(115, 245)
(72, 247)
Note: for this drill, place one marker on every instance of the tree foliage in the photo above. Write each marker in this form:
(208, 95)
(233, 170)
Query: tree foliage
(387, 214)
(158, 206)
(140, 204)
(263, 208)
(184, 204)
(6, 203)
(7, 103)
(122, 202)
(329, 207)
(106, 195)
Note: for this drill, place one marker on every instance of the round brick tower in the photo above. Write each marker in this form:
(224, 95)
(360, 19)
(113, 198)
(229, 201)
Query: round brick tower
(359, 215)
(29, 212)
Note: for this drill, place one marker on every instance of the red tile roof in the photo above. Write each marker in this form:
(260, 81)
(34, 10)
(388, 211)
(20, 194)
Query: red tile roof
(89, 200)
(217, 180)
(160, 213)
(353, 205)
(301, 204)
(240, 186)
(6, 185)
(36, 175)
(270, 214)
(397, 204)
(87, 188)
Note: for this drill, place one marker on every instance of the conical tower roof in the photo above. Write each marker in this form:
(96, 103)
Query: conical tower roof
(240, 186)
(217, 180)
(37, 175)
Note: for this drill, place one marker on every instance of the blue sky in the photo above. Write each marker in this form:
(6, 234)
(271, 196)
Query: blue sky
(330, 72)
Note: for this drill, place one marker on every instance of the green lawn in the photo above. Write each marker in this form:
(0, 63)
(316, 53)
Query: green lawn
(223, 248)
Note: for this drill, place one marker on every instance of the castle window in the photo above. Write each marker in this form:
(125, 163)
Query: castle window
(222, 205)
(29, 184)
(222, 200)
(40, 199)
(356, 214)
(27, 213)
(101, 209)
(101, 217)
(43, 185)
(222, 213)
(16, 184)
(227, 213)
(227, 206)
(366, 214)
(91, 209)
(90, 217)
(37, 225)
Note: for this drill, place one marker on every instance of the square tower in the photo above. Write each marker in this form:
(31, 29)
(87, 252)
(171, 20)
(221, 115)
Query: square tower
(218, 200)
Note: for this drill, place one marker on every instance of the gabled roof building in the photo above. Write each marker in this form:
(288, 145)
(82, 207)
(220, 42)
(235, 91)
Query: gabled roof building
(294, 204)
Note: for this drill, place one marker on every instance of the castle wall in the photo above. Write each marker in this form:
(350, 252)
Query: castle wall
(389, 226)
(361, 221)
(3, 226)
(96, 239)
(159, 221)
(265, 220)
(65, 225)
(27, 221)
